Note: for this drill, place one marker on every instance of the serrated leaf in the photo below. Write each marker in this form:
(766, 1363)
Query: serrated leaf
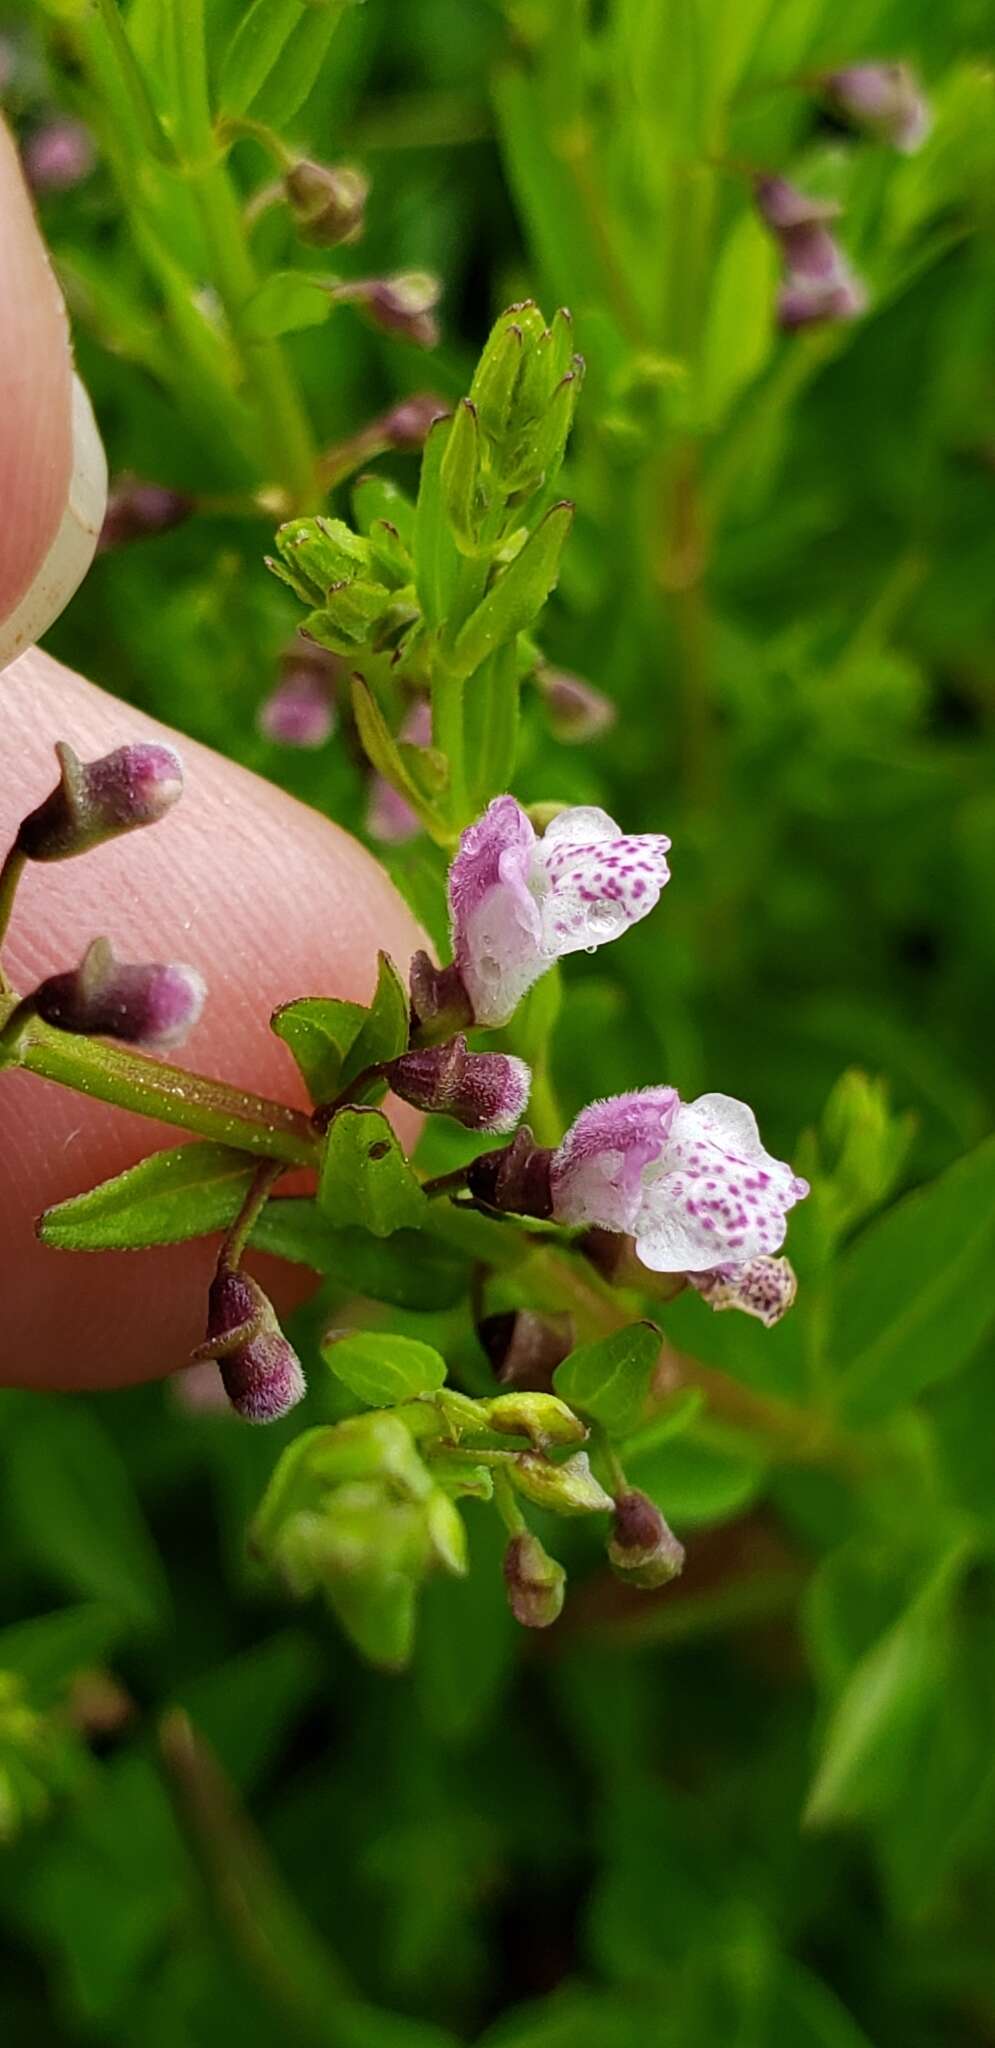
(365, 1178)
(916, 1292)
(187, 1192)
(436, 557)
(610, 1379)
(381, 1368)
(513, 602)
(386, 1027)
(319, 1031)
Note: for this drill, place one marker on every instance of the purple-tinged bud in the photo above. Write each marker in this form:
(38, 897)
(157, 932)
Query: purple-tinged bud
(884, 99)
(58, 156)
(136, 510)
(763, 1287)
(536, 1582)
(486, 1091)
(818, 293)
(262, 1373)
(97, 800)
(818, 284)
(403, 305)
(405, 427)
(328, 202)
(439, 1002)
(577, 711)
(143, 1003)
(642, 1548)
(525, 1348)
(516, 1178)
(301, 711)
(784, 208)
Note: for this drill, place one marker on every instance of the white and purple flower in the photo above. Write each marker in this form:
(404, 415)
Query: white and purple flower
(519, 903)
(690, 1182)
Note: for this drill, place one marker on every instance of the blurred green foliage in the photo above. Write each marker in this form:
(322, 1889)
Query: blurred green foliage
(760, 1806)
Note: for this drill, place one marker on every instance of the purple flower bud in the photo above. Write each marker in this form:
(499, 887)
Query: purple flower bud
(439, 1002)
(884, 99)
(763, 1287)
(142, 1003)
(642, 1548)
(97, 800)
(328, 202)
(518, 903)
(691, 1182)
(402, 305)
(525, 1348)
(262, 1373)
(58, 156)
(136, 510)
(301, 711)
(516, 1178)
(577, 711)
(818, 283)
(405, 427)
(486, 1091)
(536, 1582)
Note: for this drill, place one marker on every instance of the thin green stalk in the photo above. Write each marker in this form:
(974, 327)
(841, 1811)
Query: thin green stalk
(257, 1196)
(10, 874)
(170, 1094)
(283, 423)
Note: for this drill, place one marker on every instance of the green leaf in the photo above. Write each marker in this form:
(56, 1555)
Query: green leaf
(610, 1379)
(319, 1031)
(47, 1650)
(381, 1368)
(458, 475)
(386, 755)
(386, 1026)
(520, 592)
(916, 1292)
(491, 712)
(436, 558)
(696, 1480)
(365, 1178)
(187, 1192)
(274, 57)
(739, 330)
(885, 1701)
(70, 1495)
(286, 303)
(378, 498)
(408, 1269)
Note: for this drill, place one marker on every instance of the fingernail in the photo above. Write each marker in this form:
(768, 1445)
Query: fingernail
(73, 546)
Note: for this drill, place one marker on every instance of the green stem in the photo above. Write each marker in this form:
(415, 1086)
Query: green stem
(447, 737)
(151, 1087)
(285, 429)
(507, 1506)
(10, 874)
(257, 1196)
(131, 80)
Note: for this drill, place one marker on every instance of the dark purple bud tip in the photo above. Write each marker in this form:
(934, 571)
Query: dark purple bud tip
(136, 510)
(642, 1548)
(144, 1003)
(328, 202)
(439, 1001)
(577, 711)
(536, 1582)
(516, 1178)
(403, 305)
(486, 1091)
(262, 1374)
(96, 800)
(525, 1348)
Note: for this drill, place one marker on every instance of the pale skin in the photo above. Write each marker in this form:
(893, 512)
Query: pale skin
(267, 898)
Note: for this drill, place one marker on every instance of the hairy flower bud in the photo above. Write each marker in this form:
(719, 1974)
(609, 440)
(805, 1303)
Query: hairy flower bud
(536, 1582)
(402, 305)
(144, 1003)
(763, 1287)
(327, 201)
(525, 1348)
(515, 1178)
(543, 1418)
(577, 711)
(439, 1001)
(486, 1091)
(301, 711)
(137, 510)
(262, 1374)
(568, 1489)
(642, 1548)
(97, 800)
(885, 100)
